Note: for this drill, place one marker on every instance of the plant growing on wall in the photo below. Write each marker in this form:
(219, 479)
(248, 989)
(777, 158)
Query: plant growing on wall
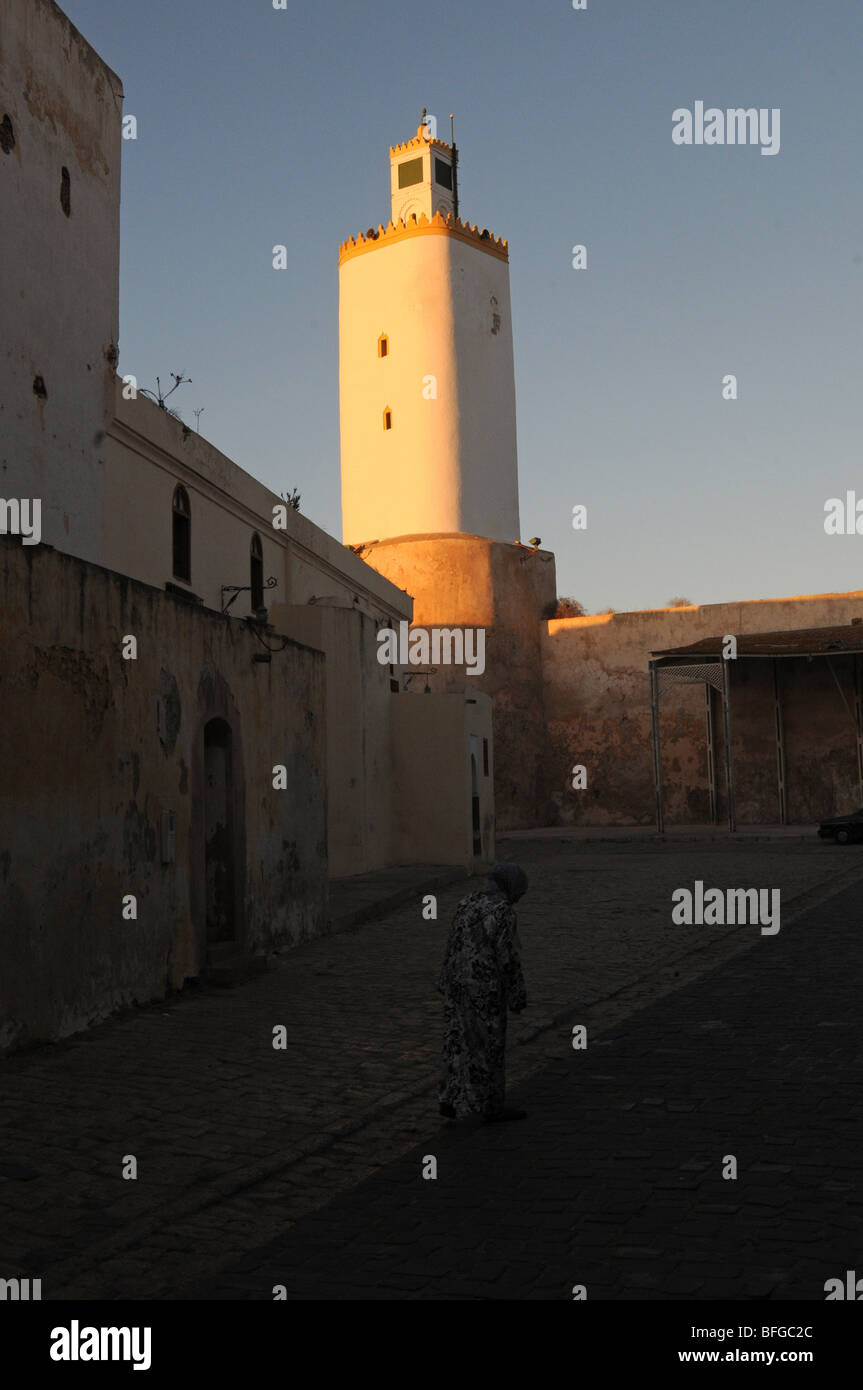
(160, 396)
(291, 499)
(566, 608)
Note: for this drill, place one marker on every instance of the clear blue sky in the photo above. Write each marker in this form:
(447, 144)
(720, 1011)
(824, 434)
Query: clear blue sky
(259, 127)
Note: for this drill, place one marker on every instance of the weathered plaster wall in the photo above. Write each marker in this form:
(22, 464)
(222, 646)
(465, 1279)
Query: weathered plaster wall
(821, 753)
(359, 757)
(326, 597)
(65, 109)
(432, 777)
(93, 749)
(597, 702)
(468, 581)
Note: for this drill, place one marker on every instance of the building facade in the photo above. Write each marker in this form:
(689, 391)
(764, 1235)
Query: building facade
(198, 727)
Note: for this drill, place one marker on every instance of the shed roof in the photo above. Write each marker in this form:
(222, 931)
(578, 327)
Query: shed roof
(803, 641)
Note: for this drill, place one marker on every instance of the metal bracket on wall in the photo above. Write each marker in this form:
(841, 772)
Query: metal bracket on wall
(235, 589)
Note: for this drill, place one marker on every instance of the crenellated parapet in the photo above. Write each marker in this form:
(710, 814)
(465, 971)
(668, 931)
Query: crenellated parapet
(420, 141)
(438, 225)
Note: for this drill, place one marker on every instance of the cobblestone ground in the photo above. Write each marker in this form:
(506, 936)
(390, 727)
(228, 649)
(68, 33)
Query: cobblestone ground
(614, 1181)
(236, 1141)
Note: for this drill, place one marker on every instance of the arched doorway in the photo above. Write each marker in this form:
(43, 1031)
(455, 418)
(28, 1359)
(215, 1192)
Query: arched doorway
(219, 833)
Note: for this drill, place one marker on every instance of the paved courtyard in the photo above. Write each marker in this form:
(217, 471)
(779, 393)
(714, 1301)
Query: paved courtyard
(303, 1166)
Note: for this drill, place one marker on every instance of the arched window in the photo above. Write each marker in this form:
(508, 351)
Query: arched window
(65, 191)
(388, 419)
(182, 535)
(383, 345)
(256, 571)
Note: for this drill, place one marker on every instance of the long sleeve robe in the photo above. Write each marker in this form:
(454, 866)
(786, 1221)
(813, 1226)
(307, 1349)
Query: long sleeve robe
(481, 978)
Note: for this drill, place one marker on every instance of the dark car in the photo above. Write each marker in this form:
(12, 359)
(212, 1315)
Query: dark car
(843, 829)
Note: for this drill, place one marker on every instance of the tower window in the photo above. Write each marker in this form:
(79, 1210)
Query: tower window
(410, 172)
(65, 191)
(182, 535)
(443, 173)
(485, 757)
(388, 419)
(256, 572)
(383, 346)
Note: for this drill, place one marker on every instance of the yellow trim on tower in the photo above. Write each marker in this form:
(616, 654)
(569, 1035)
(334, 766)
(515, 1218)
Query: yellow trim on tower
(424, 226)
(419, 142)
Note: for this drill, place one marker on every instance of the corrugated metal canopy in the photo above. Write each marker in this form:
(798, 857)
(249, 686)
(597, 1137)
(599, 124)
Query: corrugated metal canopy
(804, 641)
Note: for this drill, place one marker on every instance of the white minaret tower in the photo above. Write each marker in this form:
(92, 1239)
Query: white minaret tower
(426, 379)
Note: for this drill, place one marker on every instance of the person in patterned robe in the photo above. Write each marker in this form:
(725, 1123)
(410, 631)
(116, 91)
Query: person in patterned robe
(481, 978)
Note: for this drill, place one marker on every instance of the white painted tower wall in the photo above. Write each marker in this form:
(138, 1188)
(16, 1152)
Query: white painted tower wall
(448, 463)
(438, 291)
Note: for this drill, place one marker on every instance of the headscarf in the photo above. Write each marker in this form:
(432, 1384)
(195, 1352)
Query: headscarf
(509, 879)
